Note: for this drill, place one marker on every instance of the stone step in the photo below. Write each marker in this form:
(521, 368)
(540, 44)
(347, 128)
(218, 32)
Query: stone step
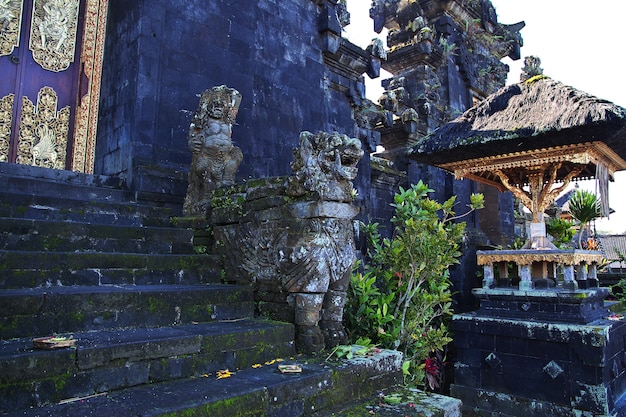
(405, 402)
(63, 236)
(42, 312)
(39, 193)
(43, 181)
(114, 361)
(321, 389)
(24, 269)
(70, 208)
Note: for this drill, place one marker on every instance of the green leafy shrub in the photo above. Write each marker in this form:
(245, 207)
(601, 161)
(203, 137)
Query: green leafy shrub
(401, 299)
(584, 206)
(562, 231)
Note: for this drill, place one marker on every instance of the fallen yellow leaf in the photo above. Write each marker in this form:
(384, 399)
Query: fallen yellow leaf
(224, 374)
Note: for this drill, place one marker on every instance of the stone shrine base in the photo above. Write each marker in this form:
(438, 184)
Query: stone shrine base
(540, 353)
(549, 304)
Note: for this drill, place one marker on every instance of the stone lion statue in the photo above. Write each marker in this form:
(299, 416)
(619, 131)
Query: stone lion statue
(295, 242)
(325, 164)
(215, 159)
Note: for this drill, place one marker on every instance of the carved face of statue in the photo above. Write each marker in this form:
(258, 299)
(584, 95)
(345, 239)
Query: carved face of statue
(216, 109)
(342, 157)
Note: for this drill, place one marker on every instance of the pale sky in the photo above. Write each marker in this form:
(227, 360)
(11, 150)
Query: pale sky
(579, 44)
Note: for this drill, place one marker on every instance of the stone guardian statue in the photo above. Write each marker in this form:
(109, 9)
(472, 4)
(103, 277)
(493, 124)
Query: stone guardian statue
(215, 159)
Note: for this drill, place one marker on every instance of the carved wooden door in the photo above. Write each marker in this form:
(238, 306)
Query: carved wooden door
(44, 80)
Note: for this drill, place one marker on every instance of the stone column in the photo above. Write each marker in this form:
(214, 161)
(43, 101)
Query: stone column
(488, 279)
(526, 282)
(592, 276)
(569, 283)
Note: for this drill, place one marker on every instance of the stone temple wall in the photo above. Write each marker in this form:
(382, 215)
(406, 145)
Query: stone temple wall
(295, 72)
(160, 54)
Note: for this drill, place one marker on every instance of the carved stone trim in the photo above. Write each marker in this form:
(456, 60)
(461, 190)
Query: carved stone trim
(10, 25)
(43, 131)
(6, 116)
(86, 120)
(53, 33)
(527, 257)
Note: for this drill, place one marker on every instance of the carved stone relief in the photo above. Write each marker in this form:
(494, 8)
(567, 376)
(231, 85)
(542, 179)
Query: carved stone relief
(10, 25)
(53, 33)
(43, 131)
(6, 114)
(325, 164)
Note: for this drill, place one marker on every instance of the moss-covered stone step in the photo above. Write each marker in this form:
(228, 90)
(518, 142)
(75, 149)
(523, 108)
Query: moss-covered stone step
(108, 361)
(404, 402)
(60, 236)
(26, 269)
(68, 208)
(321, 389)
(44, 311)
(41, 181)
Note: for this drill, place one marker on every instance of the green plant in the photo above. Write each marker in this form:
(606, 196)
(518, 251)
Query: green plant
(619, 290)
(584, 207)
(620, 257)
(402, 299)
(361, 347)
(562, 230)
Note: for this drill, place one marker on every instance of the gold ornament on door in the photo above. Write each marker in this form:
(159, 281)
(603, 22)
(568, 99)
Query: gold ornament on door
(6, 114)
(53, 33)
(43, 131)
(10, 25)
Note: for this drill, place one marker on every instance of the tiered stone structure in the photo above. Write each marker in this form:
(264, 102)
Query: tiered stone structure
(444, 56)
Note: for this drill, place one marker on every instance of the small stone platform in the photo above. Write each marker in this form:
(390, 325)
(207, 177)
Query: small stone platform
(540, 267)
(554, 305)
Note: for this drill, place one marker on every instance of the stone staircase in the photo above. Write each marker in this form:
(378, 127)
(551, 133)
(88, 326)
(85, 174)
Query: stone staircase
(155, 324)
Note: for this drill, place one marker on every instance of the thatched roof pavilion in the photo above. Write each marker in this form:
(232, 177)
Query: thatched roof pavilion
(537, 133)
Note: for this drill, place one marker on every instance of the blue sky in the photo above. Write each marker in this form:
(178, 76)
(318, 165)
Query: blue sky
(579, 44)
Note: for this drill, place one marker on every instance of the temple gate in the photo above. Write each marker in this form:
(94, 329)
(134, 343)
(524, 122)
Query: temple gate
(51, 61)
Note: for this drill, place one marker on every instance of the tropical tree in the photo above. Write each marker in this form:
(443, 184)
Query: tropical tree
(584, 206)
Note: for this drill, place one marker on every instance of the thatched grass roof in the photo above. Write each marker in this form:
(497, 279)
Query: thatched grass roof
(538, 113)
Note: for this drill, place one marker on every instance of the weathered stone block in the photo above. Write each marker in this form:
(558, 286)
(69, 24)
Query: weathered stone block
(517, 367)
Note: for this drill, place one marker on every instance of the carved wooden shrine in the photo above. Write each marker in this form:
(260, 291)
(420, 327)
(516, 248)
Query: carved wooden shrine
(533, 139)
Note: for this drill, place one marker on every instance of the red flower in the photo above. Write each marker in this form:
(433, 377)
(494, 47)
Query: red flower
(431, 366)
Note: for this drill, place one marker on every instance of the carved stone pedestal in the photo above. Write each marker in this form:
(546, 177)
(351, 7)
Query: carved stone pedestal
(297, 253)
(516, 367)
(540, 352)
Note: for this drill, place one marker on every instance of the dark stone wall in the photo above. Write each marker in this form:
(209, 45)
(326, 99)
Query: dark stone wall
(161, 53)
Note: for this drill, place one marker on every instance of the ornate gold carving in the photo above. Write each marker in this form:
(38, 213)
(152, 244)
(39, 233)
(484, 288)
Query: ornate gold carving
(85, 123)
(6, 116)
(527, 257)
(582, 153)
(43, 131)
(10, 25)
(53, 33)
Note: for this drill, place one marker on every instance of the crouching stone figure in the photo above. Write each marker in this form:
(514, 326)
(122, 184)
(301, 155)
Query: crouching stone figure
(293, 238)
